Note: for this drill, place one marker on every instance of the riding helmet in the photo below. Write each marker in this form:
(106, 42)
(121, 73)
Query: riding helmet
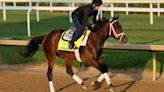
(97, 2)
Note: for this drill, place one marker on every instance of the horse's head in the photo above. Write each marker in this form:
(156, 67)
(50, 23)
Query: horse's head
(112, 28)
(115, 30)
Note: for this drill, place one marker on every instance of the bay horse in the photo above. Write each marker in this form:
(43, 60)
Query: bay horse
(90, 54)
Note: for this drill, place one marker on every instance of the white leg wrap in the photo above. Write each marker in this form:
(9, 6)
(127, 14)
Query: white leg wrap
(108, 81)
(77, 79)
(51, 86)
(101, 78)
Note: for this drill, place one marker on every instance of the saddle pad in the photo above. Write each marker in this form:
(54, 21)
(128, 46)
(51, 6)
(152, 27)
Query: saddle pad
(65, 38)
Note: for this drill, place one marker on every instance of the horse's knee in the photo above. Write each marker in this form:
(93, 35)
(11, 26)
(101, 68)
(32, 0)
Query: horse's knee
(70, 72)
(104, 69)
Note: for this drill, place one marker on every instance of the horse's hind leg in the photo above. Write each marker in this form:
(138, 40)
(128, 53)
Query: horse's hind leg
(69, 70)
(49, 52)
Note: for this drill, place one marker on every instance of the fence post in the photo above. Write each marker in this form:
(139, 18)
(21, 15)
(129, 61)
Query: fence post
(30, 3)
(14, 3)
(37, 12)
(112, 12)
(72, 6)
(151, 13)
(158, 6)
(28, 23)
(4, 11)
(127, 5)
(154, 65)
(50, 5)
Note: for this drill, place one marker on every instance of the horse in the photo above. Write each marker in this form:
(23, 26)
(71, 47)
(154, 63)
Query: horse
(89, 54)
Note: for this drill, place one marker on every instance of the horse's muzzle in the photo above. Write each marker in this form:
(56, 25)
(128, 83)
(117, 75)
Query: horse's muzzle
(124, 39)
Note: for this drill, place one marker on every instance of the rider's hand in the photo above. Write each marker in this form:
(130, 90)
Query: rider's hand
(93, 25)
(86, 28)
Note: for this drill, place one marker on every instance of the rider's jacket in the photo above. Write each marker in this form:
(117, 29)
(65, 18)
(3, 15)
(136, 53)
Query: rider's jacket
(84, 12)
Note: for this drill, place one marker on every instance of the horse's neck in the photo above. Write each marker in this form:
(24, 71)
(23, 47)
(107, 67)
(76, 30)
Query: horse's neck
(100, 37)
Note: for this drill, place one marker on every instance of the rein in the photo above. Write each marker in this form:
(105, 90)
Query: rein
(117, 35)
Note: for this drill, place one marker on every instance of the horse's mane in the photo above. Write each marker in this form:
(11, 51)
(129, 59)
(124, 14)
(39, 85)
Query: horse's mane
(100, 23)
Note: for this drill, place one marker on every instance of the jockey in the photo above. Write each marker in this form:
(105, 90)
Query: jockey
(80, 17)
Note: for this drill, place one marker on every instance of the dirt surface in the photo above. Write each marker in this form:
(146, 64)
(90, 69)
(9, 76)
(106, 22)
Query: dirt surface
(21, 78)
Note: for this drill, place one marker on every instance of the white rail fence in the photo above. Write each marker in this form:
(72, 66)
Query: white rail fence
(109, 5)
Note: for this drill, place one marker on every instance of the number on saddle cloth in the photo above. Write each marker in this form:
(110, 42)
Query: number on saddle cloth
(67, 36)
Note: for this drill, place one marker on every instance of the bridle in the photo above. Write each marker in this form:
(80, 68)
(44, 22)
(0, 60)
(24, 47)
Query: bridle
(117, 35)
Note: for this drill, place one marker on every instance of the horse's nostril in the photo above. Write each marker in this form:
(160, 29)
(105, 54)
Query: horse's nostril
(124, 40)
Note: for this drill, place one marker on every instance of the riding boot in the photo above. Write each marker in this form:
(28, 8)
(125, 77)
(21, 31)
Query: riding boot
(75, 37)
(72, 46)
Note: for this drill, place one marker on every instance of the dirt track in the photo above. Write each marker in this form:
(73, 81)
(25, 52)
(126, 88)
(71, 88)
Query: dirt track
(32, 79)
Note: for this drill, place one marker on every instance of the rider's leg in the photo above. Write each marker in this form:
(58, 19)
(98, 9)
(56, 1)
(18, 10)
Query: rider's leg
(78, 24)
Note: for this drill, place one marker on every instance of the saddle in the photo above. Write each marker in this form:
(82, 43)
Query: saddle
(67, 36)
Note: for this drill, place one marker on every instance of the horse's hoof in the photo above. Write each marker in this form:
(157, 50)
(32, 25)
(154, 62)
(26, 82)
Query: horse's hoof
(95, 85)
(111, 88)
(84, 87)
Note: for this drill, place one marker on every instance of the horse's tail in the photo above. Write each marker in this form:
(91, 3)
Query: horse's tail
(32, 46)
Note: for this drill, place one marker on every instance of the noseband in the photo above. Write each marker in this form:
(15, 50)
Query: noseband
(117, 35)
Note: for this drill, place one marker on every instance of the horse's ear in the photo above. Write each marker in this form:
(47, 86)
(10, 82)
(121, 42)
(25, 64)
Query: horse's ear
(114, 17)
(117, 18)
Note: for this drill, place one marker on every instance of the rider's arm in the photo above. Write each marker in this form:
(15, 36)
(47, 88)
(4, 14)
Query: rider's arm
(95, 16)
(85, 20)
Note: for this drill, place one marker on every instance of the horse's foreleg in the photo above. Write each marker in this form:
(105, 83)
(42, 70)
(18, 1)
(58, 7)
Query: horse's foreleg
(104, 70)
(97, 84)
(101, 78)
(73, 75)
(104, 75)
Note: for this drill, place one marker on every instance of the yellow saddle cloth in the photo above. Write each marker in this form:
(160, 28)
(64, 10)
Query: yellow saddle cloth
(67, 36)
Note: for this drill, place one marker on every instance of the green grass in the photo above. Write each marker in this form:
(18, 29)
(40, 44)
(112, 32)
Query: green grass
(131, 59)
(136, 27)
(15, 26)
